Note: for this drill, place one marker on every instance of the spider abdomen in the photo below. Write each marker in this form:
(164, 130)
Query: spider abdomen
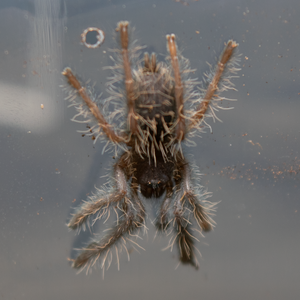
(155, 102)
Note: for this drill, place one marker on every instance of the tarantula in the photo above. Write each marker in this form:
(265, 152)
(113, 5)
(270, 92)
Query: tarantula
(158, 110)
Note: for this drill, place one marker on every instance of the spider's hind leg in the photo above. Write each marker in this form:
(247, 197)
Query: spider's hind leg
(213, 88)
(129, 83)
(91, 107)
(180, 127)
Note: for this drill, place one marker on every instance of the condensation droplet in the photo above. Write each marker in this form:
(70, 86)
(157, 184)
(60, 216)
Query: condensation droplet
(97, 34)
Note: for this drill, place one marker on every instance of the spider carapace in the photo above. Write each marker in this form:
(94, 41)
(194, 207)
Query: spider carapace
(148, 120)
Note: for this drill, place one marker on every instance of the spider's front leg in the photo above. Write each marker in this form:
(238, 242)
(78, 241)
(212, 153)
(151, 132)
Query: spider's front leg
(188, 204)
(100, 203)
(126, 200)
(132, 219)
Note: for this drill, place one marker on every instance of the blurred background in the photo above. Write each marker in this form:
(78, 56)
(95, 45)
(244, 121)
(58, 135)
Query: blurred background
(250, 162)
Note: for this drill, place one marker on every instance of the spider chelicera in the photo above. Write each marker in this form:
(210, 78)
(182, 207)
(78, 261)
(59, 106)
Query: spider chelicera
(148, 121)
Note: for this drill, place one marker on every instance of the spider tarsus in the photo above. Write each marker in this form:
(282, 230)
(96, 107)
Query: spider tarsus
(228, 51)
(122, 27)
(85, 256)
(71, 78)
(186, 248)
(171, 44)
(76, 221)
(205, 226)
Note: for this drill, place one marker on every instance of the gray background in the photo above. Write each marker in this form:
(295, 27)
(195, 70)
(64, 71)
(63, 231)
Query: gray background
(250, 162)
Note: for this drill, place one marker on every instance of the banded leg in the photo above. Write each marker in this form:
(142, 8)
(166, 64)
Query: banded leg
(213, 86)
(129, 84)
(107, 128)
(180, 127)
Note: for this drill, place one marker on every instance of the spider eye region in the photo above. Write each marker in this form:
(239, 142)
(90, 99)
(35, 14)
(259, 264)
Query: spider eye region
(155, 184)
(153, 188)
(153, 181)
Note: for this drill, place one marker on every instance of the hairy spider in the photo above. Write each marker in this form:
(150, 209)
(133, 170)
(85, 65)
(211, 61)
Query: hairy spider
(148, 120)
